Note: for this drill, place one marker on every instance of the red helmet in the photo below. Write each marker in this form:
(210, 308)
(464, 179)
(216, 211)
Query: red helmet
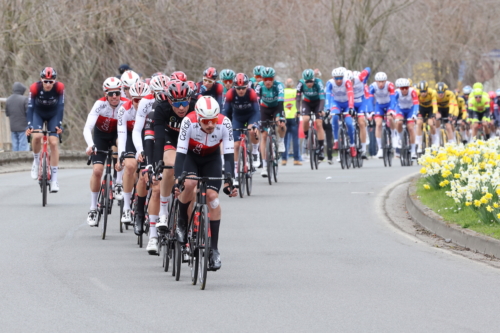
(492, 94)
(156, 74)
(192, 86)
(178, 90)
(178, 76)
(48, 73)
(210, 73)
(240, 80)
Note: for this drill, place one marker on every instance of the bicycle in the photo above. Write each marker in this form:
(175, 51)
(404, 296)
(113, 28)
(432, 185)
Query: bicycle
(344, 146)
(387, 150)
(273, 156)
(426, 138)
(405, 152)
(105, 196)
(312, 142)
(245, 166)
(443, 134)
(44, 171)
(358, 160)
(199, 236)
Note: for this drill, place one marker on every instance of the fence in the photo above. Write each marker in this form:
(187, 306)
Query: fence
(5, 143)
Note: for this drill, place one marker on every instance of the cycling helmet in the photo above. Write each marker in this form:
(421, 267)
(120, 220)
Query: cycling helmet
(467, 90)
(178, 76)
(139, 90)
(192, 86)
(492, 95)
(356, 74)
(477, 91)
(348, 75)
(308, 74)
(268, 72)
(159, 83)
(498, 92)
(402, 83)
(111, 83)
(227, 74)
(423, 86)
(210, 73)
(178, 90)
(257, 71)
(207, 108)
(156, 74)
(380, 76)
(241, 80)
(477, 85)
(339, 71)
(441, 87)
(129, 77)
(48, 73)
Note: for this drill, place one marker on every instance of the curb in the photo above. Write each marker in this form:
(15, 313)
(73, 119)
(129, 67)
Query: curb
(22, 161)
(434, 223)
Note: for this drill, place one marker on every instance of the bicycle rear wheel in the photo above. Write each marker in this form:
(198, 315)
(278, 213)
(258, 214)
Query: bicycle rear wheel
(44, 179)
(248, 174)
(178, 260)
(311, 147)
(269, 159)
(342, 148)
(120, 203)
(203, 247)
(316, 147)
(276, 160)
(241, 171)
(107, 182)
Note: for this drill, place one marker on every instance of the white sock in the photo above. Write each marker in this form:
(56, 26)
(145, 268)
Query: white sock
(152, 226)
(379, 142)
(93, 200)
(53, 171)
(119, 177)
(363, 147)
(222, 159)
(413, 145)
(451, 140)
(126, 200)
(264, 164)
(419, 140)
(255, 148)
(164, 205)
(435, 139)
(36, 158)
(235, 169)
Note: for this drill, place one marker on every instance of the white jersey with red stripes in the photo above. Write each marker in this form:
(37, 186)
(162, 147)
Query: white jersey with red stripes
(408, 101)
(126, 120)
(193, 140)
(382, 96)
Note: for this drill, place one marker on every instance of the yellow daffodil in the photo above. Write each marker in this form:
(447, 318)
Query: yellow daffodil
(427, 187)
(423, 171)
(468, 203)
(477, 203)
(489, 209)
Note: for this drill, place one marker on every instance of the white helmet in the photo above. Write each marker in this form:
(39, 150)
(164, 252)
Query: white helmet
(339, 71)
(159, 83)
(111, 83)
(380, 76)
(207, 108)
(356, 73)
(402, 83)
(139, 90)
(129, 78)
(348, 75)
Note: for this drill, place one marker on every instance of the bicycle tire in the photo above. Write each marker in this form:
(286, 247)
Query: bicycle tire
(383, 146)
(193, 246)
(120, 203)
(269, 159)
(178, 260)
(204, 247)
(164, 247)
(248, 175)
(107, 182)
(310, 147)
(409, 160)
(44, 179)
(316, 147)
(442, 137)
(342, 148)
(276, 161)
(241, 171)
(100, 204)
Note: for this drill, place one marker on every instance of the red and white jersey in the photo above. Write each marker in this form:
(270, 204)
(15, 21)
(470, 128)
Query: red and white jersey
(382, 96)
(408, 101)
(193, 140)
(126, 120)
(143, 110)
(358, 89)
(103, 116)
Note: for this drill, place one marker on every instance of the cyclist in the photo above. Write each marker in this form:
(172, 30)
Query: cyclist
(46, 103)
(128, 78)
(340, 98)
(257, 76)
(126, 119)
(209, 86)
(271, 94)
(168, 117)
(447, 106)
(227, 78)
(406, 105)
(143, 137)
(103, 117)
(241, 106)
(311, 93)
(427, 110)
(361, 97)
(178, 75)
(383, 92)
(461, 118)
(478, 108)
(198, 153)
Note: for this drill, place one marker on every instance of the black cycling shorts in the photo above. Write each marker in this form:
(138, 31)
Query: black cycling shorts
(170, 141)
(129, 146)
(268, 113)
(425, 112)
(445, 113)
(311, 107)
(480, 115)
(205, 166)
(103, 141)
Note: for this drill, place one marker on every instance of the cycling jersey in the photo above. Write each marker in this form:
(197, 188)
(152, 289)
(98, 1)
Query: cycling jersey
(406, 106)
(461, 107)
(339, 97)
(430, 100)
(143, 131)
(481, 106)
(217, 91)
(126, 121)
(102, 116)
(243, 107)
(48, 105)
(358, 87)
(271, 97)
(316, 92)
(448, 101)
(383, 98)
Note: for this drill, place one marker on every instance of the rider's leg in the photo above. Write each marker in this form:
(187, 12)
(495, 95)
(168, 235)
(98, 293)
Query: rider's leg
(378, 130)
(95, 184)
(128, 181)
(167, 181)
(362, 132)
(54, 157)
(411, 131)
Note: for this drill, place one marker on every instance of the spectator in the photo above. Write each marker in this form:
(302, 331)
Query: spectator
(292, 129)
(16, 108)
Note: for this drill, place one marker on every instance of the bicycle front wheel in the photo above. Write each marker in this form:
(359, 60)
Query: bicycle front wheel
(276, 160)
(311, 147)
(203, 247)
(107, 182)
(241, 171)
(269, 159)
(248, 175)
(44, 179)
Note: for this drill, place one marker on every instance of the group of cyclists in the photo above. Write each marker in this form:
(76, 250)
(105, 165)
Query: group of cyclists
(189, 126)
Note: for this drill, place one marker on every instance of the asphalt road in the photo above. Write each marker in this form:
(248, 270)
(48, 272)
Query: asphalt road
(308, 254)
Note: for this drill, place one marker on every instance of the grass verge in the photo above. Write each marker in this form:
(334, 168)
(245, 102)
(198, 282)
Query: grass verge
(466, 217)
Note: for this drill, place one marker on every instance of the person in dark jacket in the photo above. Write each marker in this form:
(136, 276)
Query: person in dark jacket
(16, 108)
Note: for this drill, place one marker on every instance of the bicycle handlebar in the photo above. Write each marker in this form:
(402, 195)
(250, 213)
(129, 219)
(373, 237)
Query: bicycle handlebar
(45, 133)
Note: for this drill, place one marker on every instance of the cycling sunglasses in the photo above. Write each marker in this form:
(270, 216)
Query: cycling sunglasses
(404, 88)
(113, 93)
(241, 88)
(178, 104)
(268, 79)
(48, 81)
(309, 81)
(208, 80)
(209, 121)
(228, 81)
(338, 78)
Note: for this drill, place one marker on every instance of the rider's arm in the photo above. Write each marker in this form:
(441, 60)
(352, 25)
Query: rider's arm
(227, 110)
(183, 145)
(149, 146)
(350, 94)
(364, 76)
(140, 120)
(219, 93)
(414, 97)
(328, 97)
(321, 90)
(281, 99)
(31, 103)
(298, 97)
(60, 103)
(90, 123)
(228, 144)
(122, 130)
(255, 106)
(434, 102)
